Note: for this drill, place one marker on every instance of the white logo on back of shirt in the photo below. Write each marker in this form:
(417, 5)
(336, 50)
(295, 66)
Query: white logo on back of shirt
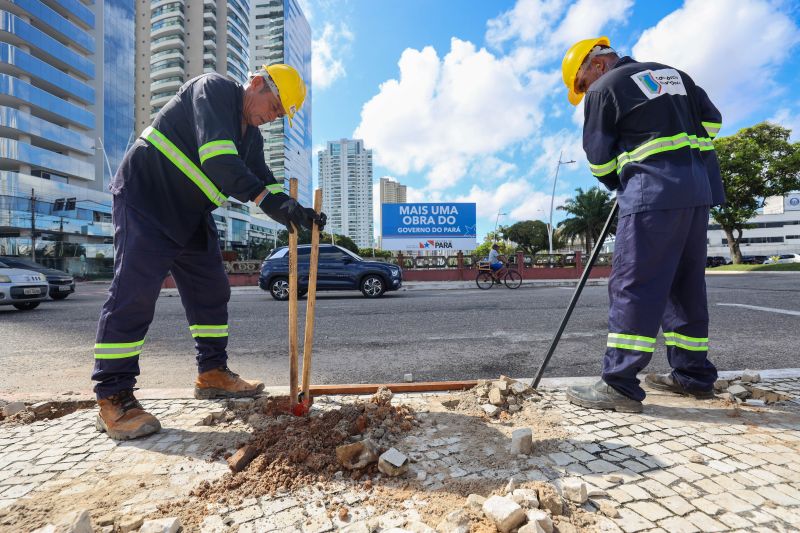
(655, 83)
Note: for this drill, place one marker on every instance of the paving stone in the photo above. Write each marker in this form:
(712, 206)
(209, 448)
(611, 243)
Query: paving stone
(677, 524)
(635, 492)
(677, 505)
(574, 490)
(651, 511)
(631, 522)
(505, 513)
(704, 522)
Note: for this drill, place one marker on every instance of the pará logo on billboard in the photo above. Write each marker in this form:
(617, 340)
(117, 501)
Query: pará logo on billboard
(424, 214)
(436, 244)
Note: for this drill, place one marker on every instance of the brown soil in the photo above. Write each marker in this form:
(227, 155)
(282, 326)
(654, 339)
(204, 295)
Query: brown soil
(295, 452)
(45, 411)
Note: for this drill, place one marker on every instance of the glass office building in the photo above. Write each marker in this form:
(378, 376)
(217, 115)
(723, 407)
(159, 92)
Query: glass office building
(54, 59)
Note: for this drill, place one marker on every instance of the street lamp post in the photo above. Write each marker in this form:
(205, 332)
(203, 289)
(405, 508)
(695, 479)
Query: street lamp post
(499, 214)
(552, 200)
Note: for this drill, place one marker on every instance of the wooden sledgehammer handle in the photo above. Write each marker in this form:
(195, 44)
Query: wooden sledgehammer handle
(293, 304)
(308, 340)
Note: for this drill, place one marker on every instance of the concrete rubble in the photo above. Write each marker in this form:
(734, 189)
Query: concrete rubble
(393, 463)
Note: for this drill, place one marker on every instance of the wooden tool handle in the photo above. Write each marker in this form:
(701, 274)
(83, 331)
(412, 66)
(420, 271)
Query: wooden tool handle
(293, 304)
(308, 340)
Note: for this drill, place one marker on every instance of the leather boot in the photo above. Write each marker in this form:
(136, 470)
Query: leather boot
(124, 418)
(666, 382)
(602, 396)
(222, 383)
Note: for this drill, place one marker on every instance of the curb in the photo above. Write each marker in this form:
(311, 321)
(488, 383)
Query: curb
(757, 272)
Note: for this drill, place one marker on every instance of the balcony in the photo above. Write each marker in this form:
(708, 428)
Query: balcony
(166, 84)
(165, 43)
(161, 99)
(166, 27)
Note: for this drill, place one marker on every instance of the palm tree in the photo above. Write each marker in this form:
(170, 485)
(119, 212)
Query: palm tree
(590, 210)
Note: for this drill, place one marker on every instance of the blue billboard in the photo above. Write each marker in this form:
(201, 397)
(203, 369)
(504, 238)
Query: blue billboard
(433, 226)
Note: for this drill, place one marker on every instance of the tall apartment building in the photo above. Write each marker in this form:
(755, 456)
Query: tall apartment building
(345, 174)
(280, 33)
(60, 63)
(178, 40)
(391, 192)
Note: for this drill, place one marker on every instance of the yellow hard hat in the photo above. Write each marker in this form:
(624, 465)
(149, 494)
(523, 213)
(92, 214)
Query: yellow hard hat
(573, 60)
(291, 87)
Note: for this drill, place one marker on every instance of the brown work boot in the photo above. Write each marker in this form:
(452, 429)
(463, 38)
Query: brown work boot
(222, 383)
(124, 418)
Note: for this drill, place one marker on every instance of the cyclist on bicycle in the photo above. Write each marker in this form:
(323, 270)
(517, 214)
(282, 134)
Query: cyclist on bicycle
(494, 259)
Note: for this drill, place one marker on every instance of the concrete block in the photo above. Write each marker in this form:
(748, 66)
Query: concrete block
(522, 441)
(239, 461)
(161, 525)
(496, 397)
(501, 385)
(10, 409)
(750, 377)
(505, 513)
(755, 403)
(519, 388)
(454, 522)
(540, 518)
(357, 455)
(739, 392)
(491, 410)
(475, 501)
(575, 490)
(511, 486)
(527, 498)
(531, 528)
(75, 522)
(721, 384)
(130, 523)
(393, 463)
(408, 378)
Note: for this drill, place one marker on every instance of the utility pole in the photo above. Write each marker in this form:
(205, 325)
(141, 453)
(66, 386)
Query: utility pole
(33, 225)
(499, 214)
(552, 199)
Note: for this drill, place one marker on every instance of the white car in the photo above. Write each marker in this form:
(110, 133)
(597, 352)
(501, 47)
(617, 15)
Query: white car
(783, 258)
(24, 289)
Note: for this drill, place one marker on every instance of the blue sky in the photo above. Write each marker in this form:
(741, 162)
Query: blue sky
(462, 100)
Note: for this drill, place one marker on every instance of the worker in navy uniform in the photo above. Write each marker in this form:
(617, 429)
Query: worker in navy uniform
(648, 131)
(203, 147)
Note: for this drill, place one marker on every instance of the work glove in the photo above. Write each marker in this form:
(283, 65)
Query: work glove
(284, 209)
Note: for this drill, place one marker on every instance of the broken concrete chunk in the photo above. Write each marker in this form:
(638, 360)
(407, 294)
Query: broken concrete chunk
(608, 509)
(527, 498)
(613, 478)
(130, 523)
(550, 500)
(12, 408)
(408, 378)
(357, 455)
(239, 461)
(514, 408)
(454, 522)
(41, 408)
(698, 458)
(739, 392)
(540, 518)
(419, 527)
(505, 513)
(161, 525)
(531, 528)
(496, 397)
(511, 486)
(721, 384)
(522, 441)
(383, 396)
(475, 501)
(491, 410)
(74, 522)
(750, 377)
(575, 490)
(519, 388)
(393, 463)
(755, 403)
(357, 527)
(501, 385)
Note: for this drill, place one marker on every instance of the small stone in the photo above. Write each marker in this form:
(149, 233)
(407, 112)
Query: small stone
(421, 475)
(419, 527)
(501, 385)
(519, 388)
(490, 410)
(358, 454)
(205, 420)
(608, 509)
(130, 523)
(540, 518)
(695, 457)
(505, 513)
(454, 522)
(522, 441)
(750, 377)
(241, 403)
(495, 397)
(514, 408)
(527, 498)
(613, 478)
(575, 490)
(239, 461)
(721, 385)
(475, 501)
(511, 400)
(106, 520)
(755, 403)
(511, 486)
(531, 528)
(408, 378)
(393, 463)
(343, 513)
(75, 522)
(41, 408)
(12, 408)
(161, 525)
(551, 501)
(597, 493)
(739, 392)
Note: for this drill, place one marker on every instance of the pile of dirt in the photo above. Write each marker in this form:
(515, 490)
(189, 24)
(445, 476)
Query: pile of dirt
(46, 410)
(293, 452)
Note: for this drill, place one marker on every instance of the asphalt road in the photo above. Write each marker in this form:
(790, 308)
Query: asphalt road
(434, 334)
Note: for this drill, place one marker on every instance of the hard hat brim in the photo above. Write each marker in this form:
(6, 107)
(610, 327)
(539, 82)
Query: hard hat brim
(574, 98)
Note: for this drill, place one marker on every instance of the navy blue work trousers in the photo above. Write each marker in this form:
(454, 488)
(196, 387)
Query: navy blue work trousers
(658, 280)
(144, 257)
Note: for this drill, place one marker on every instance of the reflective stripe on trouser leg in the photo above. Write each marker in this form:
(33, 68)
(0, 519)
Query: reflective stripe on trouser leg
(685, 322)
(142, 257)
(203, 286)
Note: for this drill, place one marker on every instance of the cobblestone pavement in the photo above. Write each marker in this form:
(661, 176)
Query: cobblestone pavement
(681, 466)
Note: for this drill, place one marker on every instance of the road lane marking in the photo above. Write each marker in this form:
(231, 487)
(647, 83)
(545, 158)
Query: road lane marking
(768, 309)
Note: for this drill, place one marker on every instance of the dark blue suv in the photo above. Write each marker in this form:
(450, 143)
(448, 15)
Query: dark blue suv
(339, 269)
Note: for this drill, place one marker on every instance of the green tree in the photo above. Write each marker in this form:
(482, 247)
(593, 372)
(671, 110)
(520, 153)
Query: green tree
(530, 235)
(369, 253)
(482, 251)
(755, 163)
(590, 210)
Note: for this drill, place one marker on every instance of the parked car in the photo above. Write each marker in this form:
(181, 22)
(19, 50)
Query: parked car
(783, 258)
(715, 261)
(61, 283)
(753, 259)
(24, 289)
(339, 269)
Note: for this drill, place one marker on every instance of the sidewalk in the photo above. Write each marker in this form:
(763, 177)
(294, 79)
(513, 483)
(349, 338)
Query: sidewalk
(682, 465)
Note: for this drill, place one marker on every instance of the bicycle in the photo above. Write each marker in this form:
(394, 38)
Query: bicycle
(487, 278)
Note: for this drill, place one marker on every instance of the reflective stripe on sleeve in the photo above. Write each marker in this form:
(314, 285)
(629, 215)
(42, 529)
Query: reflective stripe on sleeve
(664, 144)
(215, 148)
(694, 344)
(275, 188)
(117, 350)
(712, 128)
(606, 168)
(631, 342)
(184, 164)
(205, 330)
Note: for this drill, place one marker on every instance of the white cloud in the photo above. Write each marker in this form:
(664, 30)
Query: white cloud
(518, 199)
(566, 144)
(788, 118)
(326, 53)
(443, 115)
(587, 18)
(305, 7)
(732, 48)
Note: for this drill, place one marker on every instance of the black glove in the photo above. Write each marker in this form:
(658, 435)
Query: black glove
(286, 210)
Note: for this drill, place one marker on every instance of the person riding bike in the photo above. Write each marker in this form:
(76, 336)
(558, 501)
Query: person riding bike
(495, 263)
